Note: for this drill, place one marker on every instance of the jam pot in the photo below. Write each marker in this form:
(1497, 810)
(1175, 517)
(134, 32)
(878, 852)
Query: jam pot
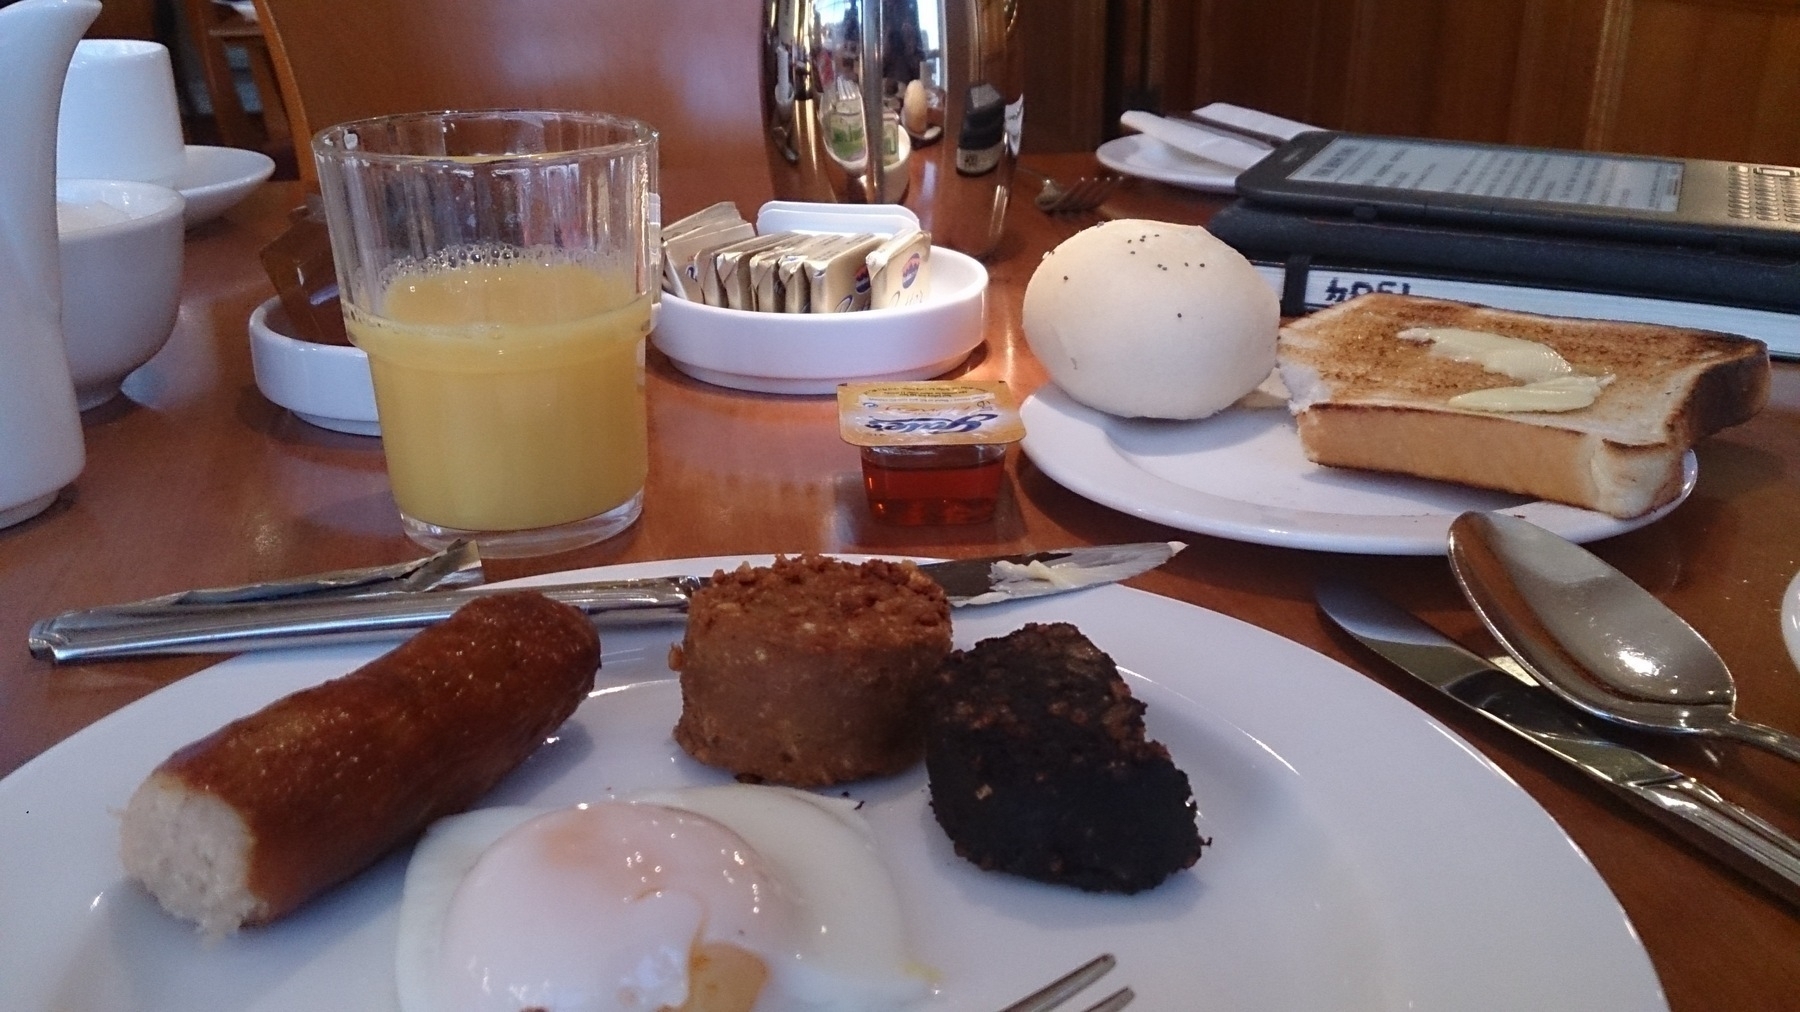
(933, 451)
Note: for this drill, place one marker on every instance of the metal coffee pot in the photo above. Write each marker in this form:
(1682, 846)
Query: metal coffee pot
(943, 78)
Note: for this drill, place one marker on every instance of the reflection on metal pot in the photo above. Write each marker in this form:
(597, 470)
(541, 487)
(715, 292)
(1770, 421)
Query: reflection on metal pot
(924, 70)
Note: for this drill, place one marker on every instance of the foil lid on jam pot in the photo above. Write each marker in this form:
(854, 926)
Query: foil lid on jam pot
(928, 413)
(933, 451)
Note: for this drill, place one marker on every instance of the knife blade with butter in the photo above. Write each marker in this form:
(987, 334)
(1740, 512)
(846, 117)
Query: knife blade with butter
(300, 620)
(1694, 811)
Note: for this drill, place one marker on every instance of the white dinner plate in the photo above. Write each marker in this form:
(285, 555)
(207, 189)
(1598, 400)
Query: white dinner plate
(215, 179)
(1242, 475)
(1141, 155)
(1363, 856)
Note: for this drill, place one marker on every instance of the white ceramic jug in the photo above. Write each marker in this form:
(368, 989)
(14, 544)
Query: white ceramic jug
(40, 429)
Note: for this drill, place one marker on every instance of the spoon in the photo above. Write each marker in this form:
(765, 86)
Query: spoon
(1588, 633)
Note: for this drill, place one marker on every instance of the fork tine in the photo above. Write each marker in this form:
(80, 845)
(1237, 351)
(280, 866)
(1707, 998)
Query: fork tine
(1063, 988)
(1095, 190)
(1085, 193)
(1115, 1001)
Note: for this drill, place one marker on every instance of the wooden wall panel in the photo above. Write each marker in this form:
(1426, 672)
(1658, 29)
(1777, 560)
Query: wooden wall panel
(1717, 79)
(1555, 80)
(1393, 66)
(1284, 56)
(1705, 78)
(1065, 61)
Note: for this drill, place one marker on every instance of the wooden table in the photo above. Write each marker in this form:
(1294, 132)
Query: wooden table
(196, 480)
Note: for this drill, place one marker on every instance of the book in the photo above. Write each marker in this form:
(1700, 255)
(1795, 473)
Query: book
(1317, 260)
(1305, 285)
(1658, 270)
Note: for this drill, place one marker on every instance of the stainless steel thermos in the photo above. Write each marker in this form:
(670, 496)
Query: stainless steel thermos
(944, 81)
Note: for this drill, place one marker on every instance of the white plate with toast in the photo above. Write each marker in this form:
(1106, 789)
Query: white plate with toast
(1242, 475)
(1338, 878)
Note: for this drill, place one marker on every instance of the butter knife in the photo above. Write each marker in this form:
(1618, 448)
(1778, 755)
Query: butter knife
(1189, 138)
(1697, 813)
(232, 626)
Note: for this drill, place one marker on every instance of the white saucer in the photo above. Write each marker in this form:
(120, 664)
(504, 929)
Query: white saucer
(217, 178)
(326, 385)
(1139, 155)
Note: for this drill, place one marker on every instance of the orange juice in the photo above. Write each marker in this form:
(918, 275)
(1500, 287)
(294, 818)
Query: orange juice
(510, 395)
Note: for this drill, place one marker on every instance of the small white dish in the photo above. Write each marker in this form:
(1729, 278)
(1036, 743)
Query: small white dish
(811, 353)
(326, 385)
(1242, 475)
(1149, 158)
(215, 179)
(120, 246)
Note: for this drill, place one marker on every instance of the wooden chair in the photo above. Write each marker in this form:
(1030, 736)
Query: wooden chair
(690, 68)
(216, 30)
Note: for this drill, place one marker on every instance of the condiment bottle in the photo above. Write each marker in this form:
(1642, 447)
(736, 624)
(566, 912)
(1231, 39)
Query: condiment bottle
(933, 451)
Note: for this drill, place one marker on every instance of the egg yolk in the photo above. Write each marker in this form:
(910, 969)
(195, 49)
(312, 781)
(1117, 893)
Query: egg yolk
(615, 906)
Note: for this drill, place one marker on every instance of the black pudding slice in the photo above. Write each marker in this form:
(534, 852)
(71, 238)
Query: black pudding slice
(1039, 766)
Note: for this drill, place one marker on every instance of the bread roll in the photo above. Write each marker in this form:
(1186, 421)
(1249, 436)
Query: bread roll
(251, 821)
(1151, 319)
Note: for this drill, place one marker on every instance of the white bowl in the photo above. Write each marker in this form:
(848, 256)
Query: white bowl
(811, 353)
(327, 385)
(215, 179)
(121, 278)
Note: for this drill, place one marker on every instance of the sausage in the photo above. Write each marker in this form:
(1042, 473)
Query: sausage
(253, 820)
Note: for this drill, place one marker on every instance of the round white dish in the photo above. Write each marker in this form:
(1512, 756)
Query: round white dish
(1364, 857)
(1149, 158)
(327, 385)
(1241, 475)
(811, 353)
(120, 246)
(215, 179)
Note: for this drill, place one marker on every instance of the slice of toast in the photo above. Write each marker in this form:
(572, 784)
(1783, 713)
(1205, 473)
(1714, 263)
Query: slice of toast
(1364, 397)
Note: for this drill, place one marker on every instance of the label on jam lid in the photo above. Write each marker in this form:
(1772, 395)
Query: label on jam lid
(928, 413)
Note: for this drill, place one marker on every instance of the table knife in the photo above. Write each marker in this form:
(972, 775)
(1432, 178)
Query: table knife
(1726, 831)
(304, 620)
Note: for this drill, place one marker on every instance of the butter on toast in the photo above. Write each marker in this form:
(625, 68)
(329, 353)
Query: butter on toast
(1364, 397)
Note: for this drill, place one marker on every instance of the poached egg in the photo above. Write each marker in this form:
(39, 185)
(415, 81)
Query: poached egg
(712, 899)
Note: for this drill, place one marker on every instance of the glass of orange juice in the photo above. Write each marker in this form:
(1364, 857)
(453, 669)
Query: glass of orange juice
(498, 268)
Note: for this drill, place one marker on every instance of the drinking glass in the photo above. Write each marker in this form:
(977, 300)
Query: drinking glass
(497, 267)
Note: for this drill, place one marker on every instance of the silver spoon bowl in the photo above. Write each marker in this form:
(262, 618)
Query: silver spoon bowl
(1590, 634)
